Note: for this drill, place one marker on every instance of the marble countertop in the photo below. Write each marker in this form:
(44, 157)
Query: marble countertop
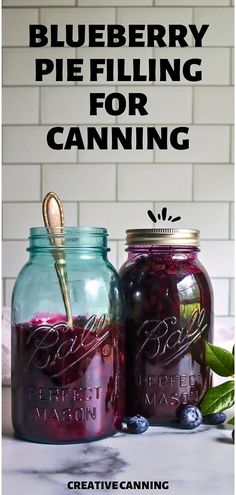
(194, 462)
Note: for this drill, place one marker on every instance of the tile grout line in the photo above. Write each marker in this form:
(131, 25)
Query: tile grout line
(4, 288)
(193, 103)
(119, 85)
(231, 143)
(231, 66)
(193, 15)
(125, 47)
(39, 86)
(123, 201)
(133, 164)
(185, 164)
(41, 181)
(232, 298)
(40, 103)
(232, 238)
(121, 124)
(229, 221)
(78, 213)
(116, 182)
(102, 7)
(229, 299)
(193, 181)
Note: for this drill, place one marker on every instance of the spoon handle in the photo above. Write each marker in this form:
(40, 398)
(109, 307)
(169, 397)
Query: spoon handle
(54, 221)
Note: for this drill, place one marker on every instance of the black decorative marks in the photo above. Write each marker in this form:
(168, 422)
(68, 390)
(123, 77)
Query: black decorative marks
(162, 216)
(164, 212)
(152, 216)
(176, 219)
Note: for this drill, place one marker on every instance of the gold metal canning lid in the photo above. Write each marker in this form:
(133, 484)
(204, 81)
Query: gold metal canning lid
(170, 237)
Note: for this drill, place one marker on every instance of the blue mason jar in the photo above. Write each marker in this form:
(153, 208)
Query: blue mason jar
(67, 380)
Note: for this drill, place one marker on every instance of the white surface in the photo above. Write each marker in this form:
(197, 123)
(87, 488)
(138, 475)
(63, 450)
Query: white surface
(173, 188)
(216, 34)
(83, 181)
(61, 17)
(117, 216)
(95, 3)
(19, 64)
(210, 218)
(20, 36)
(156, 16)
(209, 143)
(75, 106)
(221, 295)
(218, 257)
(20, 106)
(19, 3)
(232, 297)
(194, 462)
(215, 64)
(16, 218)
(13, 175)
(207, 112)
(203, 3)
(222, 182)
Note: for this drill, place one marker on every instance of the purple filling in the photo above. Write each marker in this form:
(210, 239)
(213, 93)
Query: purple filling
(66, 383)
(168, 317)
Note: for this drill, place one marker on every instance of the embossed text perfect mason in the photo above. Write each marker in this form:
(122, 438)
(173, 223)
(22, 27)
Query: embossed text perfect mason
(169, 314)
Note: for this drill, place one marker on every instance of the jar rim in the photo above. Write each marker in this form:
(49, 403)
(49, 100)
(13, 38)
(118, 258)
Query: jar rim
(168, 236)
(36, 232)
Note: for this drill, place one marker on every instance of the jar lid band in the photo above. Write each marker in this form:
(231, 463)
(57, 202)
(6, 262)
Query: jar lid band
(175, 237)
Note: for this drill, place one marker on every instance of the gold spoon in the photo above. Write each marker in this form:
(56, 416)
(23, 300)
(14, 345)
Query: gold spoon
(54, 221)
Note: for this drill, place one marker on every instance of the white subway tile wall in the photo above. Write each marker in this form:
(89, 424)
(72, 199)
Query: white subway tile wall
(116, 188)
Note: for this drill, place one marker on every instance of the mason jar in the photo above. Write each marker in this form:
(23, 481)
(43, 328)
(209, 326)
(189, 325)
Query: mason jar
(67, 380)
(169, 316)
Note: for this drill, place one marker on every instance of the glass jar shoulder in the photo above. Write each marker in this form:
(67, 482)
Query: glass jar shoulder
(164, 264)
(141, 271)
(93, 283)
(42, 269)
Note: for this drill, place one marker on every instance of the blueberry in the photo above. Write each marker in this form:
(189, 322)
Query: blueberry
(214, 419)
(134, 424)
(190, 417)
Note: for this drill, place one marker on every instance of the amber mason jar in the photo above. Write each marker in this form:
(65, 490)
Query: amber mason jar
(169, 315)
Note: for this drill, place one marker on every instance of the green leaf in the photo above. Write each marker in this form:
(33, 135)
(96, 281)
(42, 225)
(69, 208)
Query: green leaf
(218, 398)
(219, 360)
(231, 421)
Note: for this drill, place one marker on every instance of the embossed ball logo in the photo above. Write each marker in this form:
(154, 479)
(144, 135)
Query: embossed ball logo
(48, 348)
(165, 340)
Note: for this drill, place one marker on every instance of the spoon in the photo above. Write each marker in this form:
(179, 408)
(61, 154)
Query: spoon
(54, 221)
